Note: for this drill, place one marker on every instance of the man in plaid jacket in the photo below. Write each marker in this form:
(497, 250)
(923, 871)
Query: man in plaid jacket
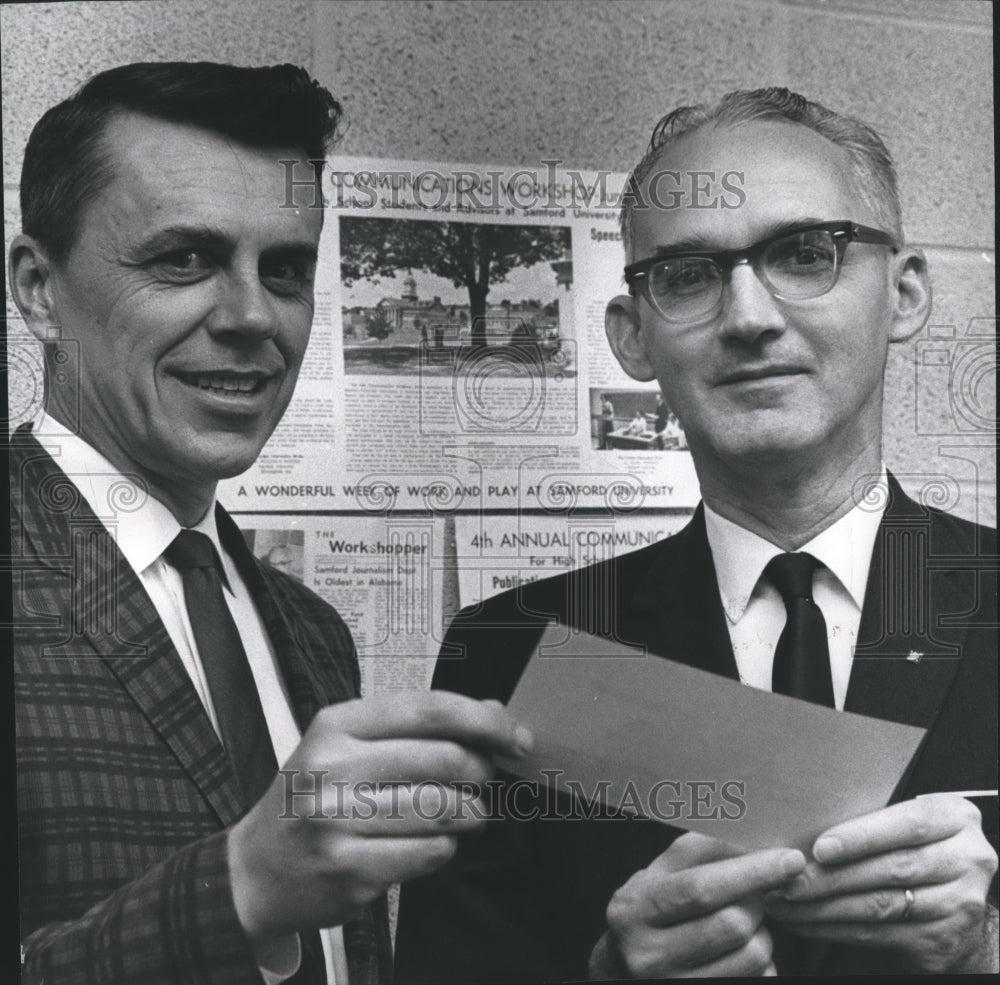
(168, 270)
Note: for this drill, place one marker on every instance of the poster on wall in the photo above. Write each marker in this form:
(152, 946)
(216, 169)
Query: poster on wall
(458, 358)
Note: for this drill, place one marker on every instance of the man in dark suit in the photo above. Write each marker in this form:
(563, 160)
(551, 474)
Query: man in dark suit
(766, 321)
(161, 673)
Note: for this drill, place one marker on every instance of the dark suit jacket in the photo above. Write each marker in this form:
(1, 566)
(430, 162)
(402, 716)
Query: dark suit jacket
(526, 900)
(124, 789)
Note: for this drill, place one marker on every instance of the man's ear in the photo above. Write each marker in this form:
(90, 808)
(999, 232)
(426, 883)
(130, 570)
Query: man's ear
(33, 288)
(621, 325)
(911, 297)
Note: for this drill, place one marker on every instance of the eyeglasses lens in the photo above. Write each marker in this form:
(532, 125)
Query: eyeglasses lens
(803, 265)
(800, 265)
(685, 287)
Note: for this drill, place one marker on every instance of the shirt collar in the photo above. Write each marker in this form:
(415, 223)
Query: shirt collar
(845, 548)
(142, 527)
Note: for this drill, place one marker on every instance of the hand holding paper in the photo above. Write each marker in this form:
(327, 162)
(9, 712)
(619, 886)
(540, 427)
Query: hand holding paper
(696, 910)
(627, 727)
(913, 877)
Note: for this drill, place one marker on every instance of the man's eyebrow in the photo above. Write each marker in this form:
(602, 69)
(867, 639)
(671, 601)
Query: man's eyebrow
(704, 244)
(172, 237)
(210, 237)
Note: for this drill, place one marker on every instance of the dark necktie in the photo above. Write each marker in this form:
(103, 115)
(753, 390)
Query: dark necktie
(234, 693)
(802, 657)
(802, 670)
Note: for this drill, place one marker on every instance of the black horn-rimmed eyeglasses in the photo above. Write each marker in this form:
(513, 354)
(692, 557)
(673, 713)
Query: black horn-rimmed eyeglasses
(796, 264)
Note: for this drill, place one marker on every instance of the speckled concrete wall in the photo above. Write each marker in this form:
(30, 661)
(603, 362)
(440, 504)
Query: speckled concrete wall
(584, 80)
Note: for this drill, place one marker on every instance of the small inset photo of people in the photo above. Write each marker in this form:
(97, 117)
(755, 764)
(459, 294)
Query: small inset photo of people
(633, 420)
(282, 549)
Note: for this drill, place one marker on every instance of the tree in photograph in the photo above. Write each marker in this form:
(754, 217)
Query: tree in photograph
(378, 324)
(469, 254)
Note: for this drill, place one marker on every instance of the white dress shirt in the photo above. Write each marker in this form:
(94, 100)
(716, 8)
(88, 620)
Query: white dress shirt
(143, 528)
(755, 612)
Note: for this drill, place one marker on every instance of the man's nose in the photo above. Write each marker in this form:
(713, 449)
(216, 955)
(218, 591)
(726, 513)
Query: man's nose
(244, 306)
(750, 309)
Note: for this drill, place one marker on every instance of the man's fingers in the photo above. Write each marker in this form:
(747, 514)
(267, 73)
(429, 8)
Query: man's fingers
(413, 810)
(660, 898)
(938, 862)
(695, 947)
(752, 960)
(912, 822)
(886, 904)
(429, 715)
(350, 761)
(722, 932)
(377, 863)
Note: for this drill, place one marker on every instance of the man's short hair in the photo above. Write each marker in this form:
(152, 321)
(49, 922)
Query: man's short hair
(65, 164)
(871, 164)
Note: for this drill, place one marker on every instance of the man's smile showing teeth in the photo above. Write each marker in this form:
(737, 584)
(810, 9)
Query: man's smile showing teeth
(228, 383)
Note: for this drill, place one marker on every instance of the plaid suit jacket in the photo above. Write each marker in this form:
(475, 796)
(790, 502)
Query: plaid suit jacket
(124, 789)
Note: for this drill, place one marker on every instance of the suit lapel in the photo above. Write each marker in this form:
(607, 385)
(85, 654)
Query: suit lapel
(908, 651)
(678, 601)
(907, 654)
(106, 612)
